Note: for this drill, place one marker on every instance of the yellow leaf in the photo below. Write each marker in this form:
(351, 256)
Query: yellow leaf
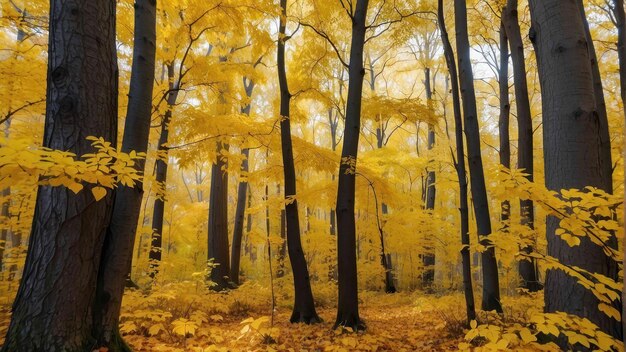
(99, 192)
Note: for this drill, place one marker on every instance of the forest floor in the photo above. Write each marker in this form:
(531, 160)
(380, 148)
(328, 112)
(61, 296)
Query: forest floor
(394, 323)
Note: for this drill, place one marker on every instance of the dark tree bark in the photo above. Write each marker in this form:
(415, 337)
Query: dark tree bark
(120, 238)
(505, 109)
(348, 304)
(525, 157)
(428, 260)
(242, 190)
(218, 246)
(491, 286)
(572, 148)
(158, 212)
(53, 307)
(304, 306)
(605, 140)
(460, 166)
(620, 23)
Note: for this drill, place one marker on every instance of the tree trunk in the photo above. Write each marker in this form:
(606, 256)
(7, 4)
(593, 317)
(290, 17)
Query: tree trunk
(572, 148)
(348, 307)
(428, 260)
(491, 286)
(460, 167)
(304, 306)
(606, 162)
(525, 157)
(505, 109)
(218, 222)
(158, 212)
(53, 307)
(242, 189)
(620, 22)
(120, 239)
(218, 247)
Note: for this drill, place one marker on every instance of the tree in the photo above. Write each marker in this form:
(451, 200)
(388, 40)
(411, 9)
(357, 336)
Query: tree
(491, 286)
(348, 304)
(218, 207)
(525, 157)
(120, 237)
(156, 243)
(459, 162)
(242, 190)
(503, 121)
(53, 308)
(573, 148)
(304, 307)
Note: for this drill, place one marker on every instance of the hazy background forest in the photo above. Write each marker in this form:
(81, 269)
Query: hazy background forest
(388, 173)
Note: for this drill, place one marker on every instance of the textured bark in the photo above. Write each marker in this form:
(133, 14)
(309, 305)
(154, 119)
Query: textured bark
(218, 246)
(491, 286)
(348, 304)
(572, 148)
(158, 212)
(460, 166)
(428, 260)
(304, 306)
(525, 157)
(53, 307)
(503, 121)
(240, 210)
(606, 162)
(620, 23)
(120, 238)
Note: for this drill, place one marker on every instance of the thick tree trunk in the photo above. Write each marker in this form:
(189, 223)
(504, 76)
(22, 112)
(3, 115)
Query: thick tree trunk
(218, 246)
(120, 239)
(428, 260)
(460, 167)
(491, 286)
(620, 22)
(158, 212)
(304, 306)
(572, 148)
(525, 157)
(348, 304)
(240, 210)
(53, 307)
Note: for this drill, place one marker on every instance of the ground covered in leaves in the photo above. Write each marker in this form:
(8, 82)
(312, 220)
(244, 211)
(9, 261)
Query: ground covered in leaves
(394, 323)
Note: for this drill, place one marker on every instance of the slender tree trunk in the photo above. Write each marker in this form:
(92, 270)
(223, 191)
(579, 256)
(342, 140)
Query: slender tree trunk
(572, 148)
(491, 285)
(525, 157)
(53, 307)
(304, 306)
(460, 167)
(428, 260)
(120, 239)
(242, 189)
(505, 109)
(5, 217)
(605, 140)
(348, 306)
(158, 212)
